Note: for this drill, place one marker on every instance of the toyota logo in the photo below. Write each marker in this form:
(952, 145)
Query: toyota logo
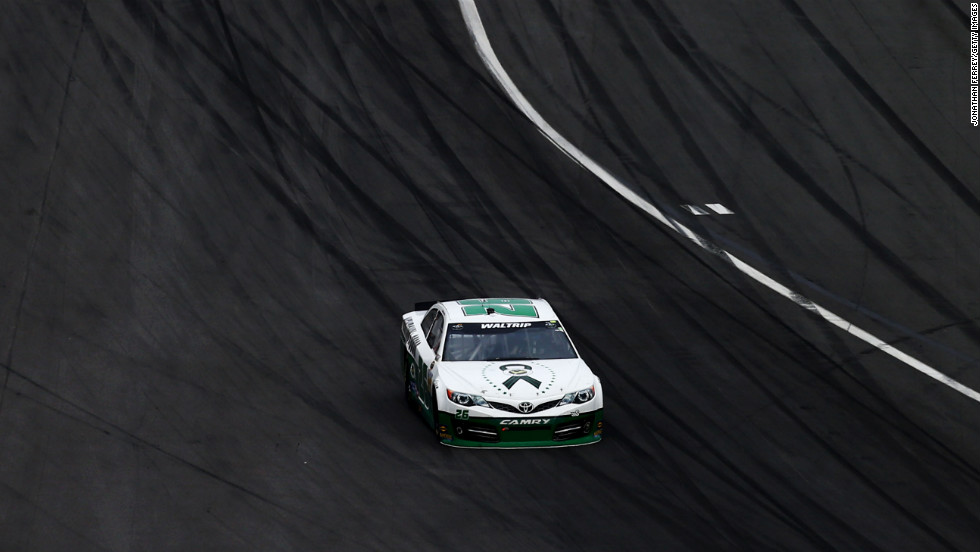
(525, 407)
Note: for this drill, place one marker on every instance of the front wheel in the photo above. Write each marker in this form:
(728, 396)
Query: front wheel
(409, 396)
(434, 410)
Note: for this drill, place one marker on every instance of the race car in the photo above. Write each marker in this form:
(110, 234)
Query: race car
(498, 372)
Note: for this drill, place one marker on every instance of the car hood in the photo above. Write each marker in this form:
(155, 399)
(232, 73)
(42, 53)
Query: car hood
(517, 379)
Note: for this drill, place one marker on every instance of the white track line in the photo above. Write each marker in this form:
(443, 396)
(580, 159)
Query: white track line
(479, 35)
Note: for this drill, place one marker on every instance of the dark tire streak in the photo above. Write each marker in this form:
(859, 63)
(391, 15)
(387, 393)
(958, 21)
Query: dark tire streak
(109, 428)
(867, 91)
(683, 47)
(831, 451)
(41, 210)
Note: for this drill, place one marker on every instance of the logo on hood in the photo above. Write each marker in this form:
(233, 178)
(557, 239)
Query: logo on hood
(518, 372)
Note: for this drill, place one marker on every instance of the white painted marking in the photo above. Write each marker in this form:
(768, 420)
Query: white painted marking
(695, 209)
(720, 209)
(479, 35)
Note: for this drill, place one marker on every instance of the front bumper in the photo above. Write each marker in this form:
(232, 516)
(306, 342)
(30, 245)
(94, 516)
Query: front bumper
(537, 431)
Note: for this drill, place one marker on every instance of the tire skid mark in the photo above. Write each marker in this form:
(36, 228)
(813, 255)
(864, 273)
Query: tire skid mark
(115, 61)
(824, 136)
(953, 128)
(308, 393)
(426, 205)
(313, 399)
(446, 219)
(166, 373)
(908, 333)
(17, 495)
(112, 429)
(534, 170)
(305, 134)
(942, 453)
(462, 174)
(832, 451)
(471, 16)
(198, 223)
(42, 210)
(595, 88)
(292, 191)
(297, 213)
(750, 296)
(738, 479)
(261, 367)
(679, 45)
(542, 264)
(237, 287)
(687, 456)
(807, 303)
(588, 119)
(684, 47)
(461, 112)
(719, 538)
(959, 15)
(873, 394)
(298, 37)
(614, 341)
(819, 134)
(690, 144)
(882, 108)
(318, 150)
(677, 472)
(589, 84)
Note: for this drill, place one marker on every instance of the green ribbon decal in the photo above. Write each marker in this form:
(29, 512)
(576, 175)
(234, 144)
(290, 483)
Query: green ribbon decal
(511, 381)
(519, 372)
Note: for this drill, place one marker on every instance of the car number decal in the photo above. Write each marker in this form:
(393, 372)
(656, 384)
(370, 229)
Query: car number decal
(507, 307)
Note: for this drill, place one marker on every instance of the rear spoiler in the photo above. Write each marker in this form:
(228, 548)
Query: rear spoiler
(424, 305)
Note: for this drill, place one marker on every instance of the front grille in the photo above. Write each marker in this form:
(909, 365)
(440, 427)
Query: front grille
(474, 432)
(571, 430)
(546, 405)
(509, 408)
(504, 406)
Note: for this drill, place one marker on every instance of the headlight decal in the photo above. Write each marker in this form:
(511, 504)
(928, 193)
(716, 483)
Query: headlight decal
(578, 397)
(466, 399)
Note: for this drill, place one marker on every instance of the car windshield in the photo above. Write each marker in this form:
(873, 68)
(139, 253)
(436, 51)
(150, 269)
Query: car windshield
(507, 341)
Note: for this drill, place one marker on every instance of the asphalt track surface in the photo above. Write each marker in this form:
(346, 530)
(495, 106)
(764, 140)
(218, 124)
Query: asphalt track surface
(213, 215)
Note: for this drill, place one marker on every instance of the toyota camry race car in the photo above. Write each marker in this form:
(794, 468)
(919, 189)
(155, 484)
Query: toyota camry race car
(498, 373)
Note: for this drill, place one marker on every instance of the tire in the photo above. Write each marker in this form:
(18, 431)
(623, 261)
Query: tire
(410, 398)
(434, 408)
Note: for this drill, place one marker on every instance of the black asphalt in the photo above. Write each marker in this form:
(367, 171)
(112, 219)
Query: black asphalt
(213, 215)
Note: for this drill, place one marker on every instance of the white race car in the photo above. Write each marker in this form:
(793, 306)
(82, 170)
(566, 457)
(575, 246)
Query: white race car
(498, 373)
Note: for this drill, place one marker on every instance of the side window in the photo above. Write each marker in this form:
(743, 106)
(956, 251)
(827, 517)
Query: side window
(427, 321)
(436, 334)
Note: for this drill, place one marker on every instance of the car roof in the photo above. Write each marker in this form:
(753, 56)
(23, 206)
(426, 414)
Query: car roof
(507, 309)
